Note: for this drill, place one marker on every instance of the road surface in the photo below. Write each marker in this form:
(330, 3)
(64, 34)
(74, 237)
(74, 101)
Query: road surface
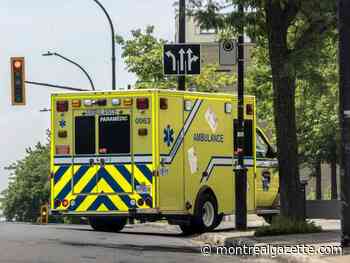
(25, 243)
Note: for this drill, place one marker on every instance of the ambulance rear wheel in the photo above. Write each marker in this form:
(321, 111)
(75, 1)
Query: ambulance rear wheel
(107, 224)
(206, 216)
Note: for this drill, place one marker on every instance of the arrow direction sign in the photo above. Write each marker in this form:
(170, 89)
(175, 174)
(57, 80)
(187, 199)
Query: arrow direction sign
(191, 59)
(173, 58)
(182, 59)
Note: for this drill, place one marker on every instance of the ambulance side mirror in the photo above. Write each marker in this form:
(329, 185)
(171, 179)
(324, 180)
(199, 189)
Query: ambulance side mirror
(271, 153)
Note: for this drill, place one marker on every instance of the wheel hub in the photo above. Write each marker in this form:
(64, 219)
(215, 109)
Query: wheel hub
(208, 214)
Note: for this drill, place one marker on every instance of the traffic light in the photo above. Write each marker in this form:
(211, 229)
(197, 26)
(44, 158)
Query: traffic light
(44, 214)
(17, 81)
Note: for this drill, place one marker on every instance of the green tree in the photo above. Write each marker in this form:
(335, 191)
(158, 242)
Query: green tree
(316, 104)
(29, 186)
(143, 55)
(291, 31)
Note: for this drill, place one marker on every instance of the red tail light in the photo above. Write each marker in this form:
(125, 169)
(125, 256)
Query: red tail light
(62, 106)
(65, 203)
(142, 103)
(62, 149)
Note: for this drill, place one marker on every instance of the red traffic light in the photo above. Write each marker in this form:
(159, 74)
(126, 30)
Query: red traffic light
(18, 81)
(17, 64)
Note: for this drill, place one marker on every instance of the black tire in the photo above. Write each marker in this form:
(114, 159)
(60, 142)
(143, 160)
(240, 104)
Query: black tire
(218, 221)
(199, 217)
(107, 224)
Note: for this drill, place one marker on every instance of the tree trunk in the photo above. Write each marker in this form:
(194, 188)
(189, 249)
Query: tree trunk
(318, 181)
(344, 100)
(334, 184)
(284, 79)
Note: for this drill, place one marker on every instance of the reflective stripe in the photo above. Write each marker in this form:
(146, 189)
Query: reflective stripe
(110, 159)
(219, 161)
(180, 138)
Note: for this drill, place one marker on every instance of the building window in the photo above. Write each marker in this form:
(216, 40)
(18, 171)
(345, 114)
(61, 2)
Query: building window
(207, 31)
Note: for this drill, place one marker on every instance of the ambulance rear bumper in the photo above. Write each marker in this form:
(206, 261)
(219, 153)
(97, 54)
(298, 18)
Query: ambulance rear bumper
(130, 213)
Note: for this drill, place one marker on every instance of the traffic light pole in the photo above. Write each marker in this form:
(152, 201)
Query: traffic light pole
(344, 97)
(182, 38)
(74, 63)
(241, 171)
(53, 86)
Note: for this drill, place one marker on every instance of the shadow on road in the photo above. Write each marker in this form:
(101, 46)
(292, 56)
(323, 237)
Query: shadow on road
(129, 232)
(231, 229)
(141, 248)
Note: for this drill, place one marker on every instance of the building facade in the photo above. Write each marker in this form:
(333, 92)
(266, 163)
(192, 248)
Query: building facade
(210, 44)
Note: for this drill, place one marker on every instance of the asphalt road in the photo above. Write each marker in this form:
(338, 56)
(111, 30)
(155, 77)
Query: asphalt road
(26, 243)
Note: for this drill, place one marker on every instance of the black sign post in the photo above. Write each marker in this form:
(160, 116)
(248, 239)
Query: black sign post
(182, 59)
(241, 170)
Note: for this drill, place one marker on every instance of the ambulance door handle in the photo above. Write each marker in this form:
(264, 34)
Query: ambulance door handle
(102, 162)
(91, 162)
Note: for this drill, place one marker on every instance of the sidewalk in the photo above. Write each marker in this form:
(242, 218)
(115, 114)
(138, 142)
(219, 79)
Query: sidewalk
(228, 237)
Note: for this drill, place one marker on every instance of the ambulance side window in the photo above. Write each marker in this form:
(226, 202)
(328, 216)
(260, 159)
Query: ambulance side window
(262, 147)
(85, 135)
(248, 134)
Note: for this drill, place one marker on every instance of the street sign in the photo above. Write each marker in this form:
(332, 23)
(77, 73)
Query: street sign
(182, 59)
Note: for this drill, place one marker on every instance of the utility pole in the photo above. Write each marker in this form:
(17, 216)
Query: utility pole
(344, 97)
(240, 170)
(182, 38)
(114, 83)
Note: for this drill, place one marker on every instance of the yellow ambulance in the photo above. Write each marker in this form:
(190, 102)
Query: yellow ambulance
(153, 155)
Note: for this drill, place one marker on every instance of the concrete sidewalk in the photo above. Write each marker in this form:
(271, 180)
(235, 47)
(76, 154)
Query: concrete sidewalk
(227, 236)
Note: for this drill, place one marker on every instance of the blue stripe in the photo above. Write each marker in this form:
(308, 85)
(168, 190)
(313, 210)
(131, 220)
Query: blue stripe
(68, 187)
(102, 200)
(102, 173)
(60, 172)
(124, 172)
(79, 174)
(65, 191)
(146, 172)
(87, 189)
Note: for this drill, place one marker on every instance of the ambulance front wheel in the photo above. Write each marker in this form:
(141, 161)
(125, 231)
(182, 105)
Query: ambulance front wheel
(107, 224)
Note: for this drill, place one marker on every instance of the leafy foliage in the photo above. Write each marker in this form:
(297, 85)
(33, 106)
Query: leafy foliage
(29, 187)
(293, 33)
(287, 226)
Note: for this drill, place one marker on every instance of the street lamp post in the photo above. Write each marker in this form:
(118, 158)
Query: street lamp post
(113, 43)
(74, 63)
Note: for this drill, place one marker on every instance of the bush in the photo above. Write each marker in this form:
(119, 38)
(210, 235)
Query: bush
(286, 226)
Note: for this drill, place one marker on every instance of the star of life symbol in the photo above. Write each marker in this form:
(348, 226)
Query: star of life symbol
(168, 136)
(62, 123)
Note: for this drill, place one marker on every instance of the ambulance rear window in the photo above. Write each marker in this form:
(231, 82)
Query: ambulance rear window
(248, 134)
(114, 134)
(85, 135)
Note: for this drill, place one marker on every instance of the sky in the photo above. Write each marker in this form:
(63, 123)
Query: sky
(76, 29)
